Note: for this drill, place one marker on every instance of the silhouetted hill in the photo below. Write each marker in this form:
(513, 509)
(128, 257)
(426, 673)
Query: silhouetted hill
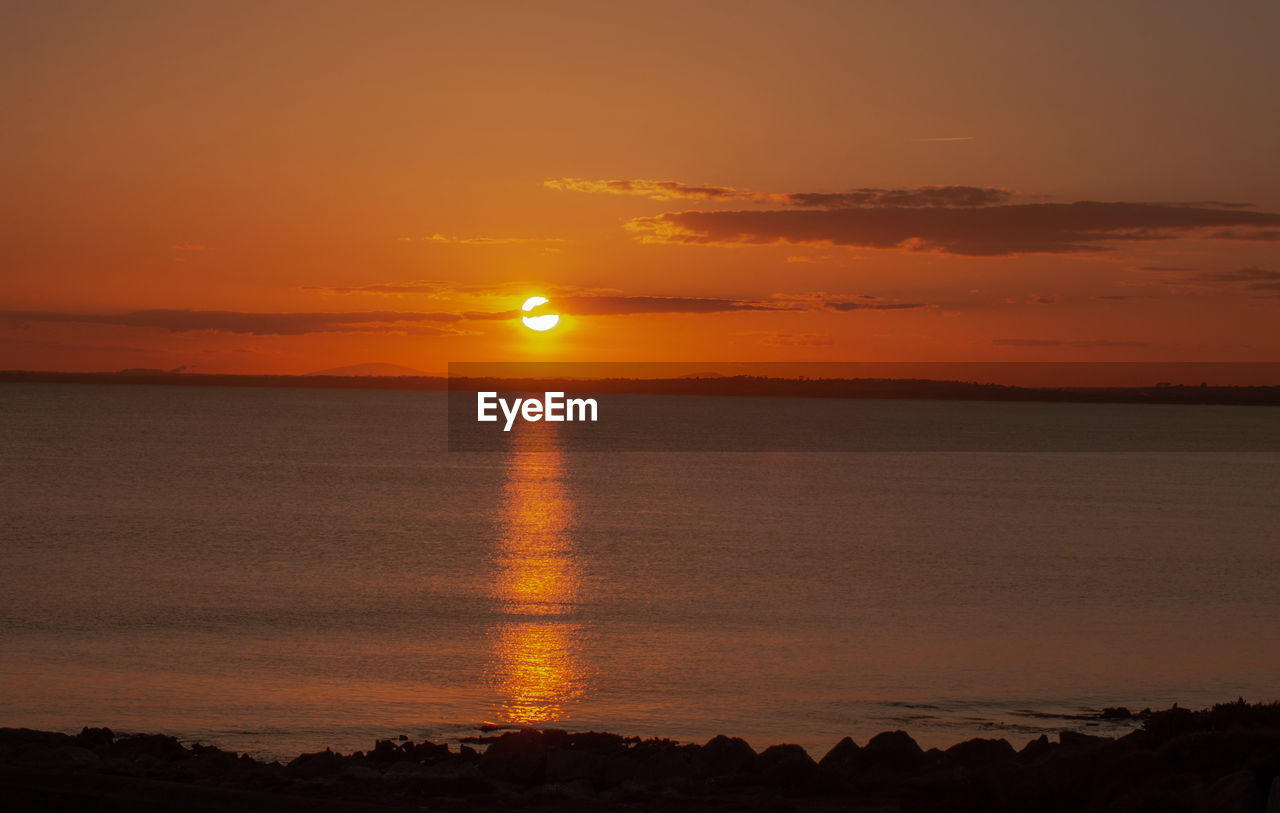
(371, 369)
(742, 386)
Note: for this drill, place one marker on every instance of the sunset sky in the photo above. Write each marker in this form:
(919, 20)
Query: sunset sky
(266, 187)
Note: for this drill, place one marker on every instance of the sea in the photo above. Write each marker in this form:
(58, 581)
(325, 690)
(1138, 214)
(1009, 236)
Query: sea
(279, 571)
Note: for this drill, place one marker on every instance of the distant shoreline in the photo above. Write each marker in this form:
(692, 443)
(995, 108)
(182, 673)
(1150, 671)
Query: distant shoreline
(735, 386)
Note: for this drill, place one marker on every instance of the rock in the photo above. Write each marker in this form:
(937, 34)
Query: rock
(727, 756)
(574, 764)
(319, 765)
(977, 754)
(894, 749)
(517, 756)
(120, 766)
(73, 756)
(1035, 749)
(22, 739)
(456, 769)
(1076, 740)
(406, 768)
(427, 752)
(577, 789)
(1235, 793)
(598, 743)
(842, 757)
(1273, 799)
(156, 746)
(669, 766)
(363, 773)
(786, 766)
(99, 739)
(208, 762)
(384, 752)
(620, 770)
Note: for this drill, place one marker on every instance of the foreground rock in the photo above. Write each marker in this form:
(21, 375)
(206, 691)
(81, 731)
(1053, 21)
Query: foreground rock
(1222, 759)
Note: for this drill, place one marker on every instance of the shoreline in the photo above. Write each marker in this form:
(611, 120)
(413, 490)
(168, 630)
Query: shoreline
(1224, 758)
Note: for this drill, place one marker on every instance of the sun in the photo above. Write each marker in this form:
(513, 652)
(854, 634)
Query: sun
(541, 322)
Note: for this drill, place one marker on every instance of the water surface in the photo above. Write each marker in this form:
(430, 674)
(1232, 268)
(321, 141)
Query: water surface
(282, 570)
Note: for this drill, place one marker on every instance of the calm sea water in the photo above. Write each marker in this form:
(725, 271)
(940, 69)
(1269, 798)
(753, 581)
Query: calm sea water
(283, 570)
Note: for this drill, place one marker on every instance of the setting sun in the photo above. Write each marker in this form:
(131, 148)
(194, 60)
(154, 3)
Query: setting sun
(540, 322)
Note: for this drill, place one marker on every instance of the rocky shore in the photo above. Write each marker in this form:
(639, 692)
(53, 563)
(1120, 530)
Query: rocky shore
(1225, 759)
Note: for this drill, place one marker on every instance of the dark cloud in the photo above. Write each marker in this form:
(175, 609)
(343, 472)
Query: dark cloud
(419, 324)
(622, 305)
(1250, 273)
(1056, 228)
(921, 196)
(874, 306)
(260, 324)
(1067, 343)
(391, 288)
(655, 190)
(1249, 235)
(625, 305)
(28, 344)
(1249, 278)
(1166, 268)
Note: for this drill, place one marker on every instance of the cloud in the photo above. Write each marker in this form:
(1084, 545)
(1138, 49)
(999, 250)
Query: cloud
(49, 344)
(654, 190)
(627, 305)
(1052, 228)
(439, 323)
(1166, 268)
(1067, 343)
(920, 196)
(875, 306)
(1249, 235)
(775, 338)
(261, 324)
(482, 240)
(623, 305)
(444, 289)
(579, 301)
(1257, 279)
(947, 138)
(425, 287)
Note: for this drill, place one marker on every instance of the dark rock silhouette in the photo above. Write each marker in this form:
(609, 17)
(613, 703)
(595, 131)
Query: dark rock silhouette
(728, 756)
(1222, 759)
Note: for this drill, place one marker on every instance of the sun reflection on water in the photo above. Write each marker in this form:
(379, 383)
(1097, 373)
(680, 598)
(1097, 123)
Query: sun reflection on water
(535, 667)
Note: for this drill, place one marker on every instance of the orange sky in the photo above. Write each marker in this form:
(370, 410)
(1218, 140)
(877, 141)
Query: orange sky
(286, 187)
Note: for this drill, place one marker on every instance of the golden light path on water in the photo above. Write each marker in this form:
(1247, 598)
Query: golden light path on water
(535, 668)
